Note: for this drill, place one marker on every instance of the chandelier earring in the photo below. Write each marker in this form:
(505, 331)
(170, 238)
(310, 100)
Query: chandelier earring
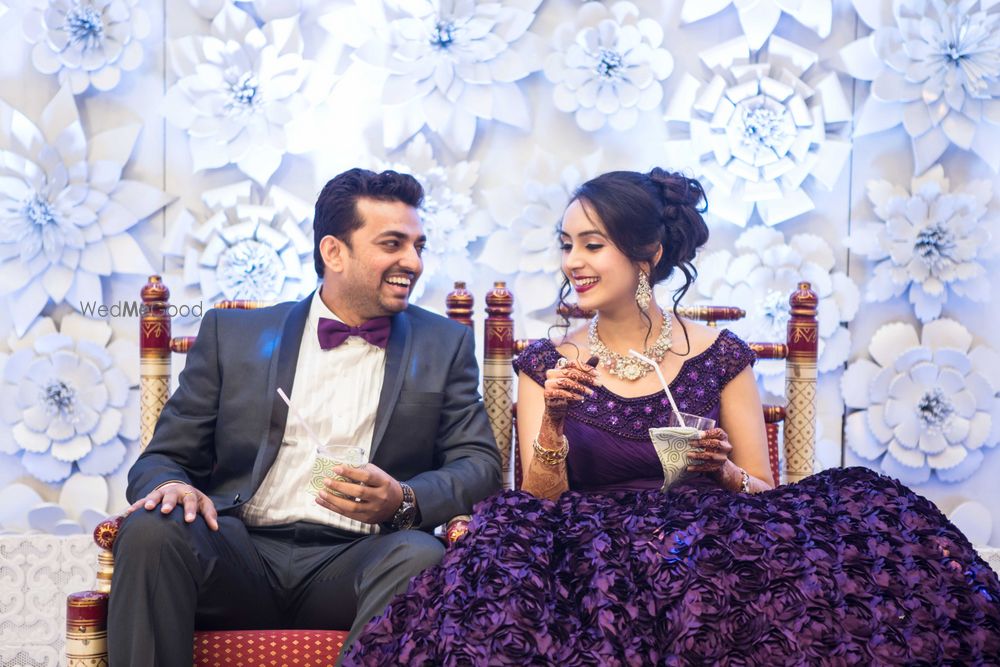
(643, 292)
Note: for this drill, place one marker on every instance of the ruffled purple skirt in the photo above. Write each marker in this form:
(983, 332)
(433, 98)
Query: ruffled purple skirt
(847, 567)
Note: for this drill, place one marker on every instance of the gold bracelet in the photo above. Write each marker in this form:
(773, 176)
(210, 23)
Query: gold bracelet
(551, 456)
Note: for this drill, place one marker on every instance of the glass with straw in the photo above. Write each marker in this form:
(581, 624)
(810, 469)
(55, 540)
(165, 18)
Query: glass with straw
(328, 456)
(672, 443)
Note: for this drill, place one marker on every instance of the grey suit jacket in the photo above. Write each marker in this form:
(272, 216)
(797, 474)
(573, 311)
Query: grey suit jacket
(221, 429)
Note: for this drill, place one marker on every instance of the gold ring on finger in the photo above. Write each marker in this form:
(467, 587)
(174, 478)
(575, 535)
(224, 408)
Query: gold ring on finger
(186, 494)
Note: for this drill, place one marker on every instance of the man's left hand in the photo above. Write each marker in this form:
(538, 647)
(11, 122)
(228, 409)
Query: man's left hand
(372, 495)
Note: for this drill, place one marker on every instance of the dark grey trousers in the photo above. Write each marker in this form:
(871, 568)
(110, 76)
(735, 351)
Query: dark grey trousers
(171, 577)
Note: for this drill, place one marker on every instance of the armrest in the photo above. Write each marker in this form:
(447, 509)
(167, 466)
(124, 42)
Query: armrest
(87, 611)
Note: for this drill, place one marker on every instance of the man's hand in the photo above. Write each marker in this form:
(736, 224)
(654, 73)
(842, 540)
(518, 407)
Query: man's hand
(176, 494)
(372, 496)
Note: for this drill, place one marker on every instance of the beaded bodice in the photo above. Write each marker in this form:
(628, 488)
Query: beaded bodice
(609, 434)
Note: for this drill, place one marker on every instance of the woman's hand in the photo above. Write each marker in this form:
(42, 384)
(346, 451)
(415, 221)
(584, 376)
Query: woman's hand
(710, 452)
(569, 382)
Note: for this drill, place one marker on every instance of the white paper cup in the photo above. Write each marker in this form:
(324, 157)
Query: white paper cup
(672, 444)
(326, 459)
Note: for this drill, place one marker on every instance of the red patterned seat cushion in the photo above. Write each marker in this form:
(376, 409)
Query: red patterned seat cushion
(253, 648)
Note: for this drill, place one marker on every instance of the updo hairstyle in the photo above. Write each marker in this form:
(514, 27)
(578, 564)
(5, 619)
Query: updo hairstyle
(642, 213)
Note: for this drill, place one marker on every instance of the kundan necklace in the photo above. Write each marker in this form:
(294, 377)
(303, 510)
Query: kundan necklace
(627, 367)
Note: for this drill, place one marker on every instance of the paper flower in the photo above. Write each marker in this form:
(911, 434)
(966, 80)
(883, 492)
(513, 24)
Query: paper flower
(608, 65)
(928, 242)
(82, 504)
(252, 245)
(68, 399)
(65, 210)
(924, 404)
(525, 245)
(264, 10)
(452, 220)
(934, 67)
(761, 277)
(244, 94)
(974, 519)
(88, 42)
(757, 131)
(758, 18)
(447, 64)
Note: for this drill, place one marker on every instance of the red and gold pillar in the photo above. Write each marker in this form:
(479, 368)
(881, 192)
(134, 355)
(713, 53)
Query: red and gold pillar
(154, 355)
(498, 375)
(800, 385)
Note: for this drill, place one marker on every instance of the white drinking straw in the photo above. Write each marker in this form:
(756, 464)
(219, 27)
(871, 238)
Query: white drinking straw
(663, 381)
(298, 416)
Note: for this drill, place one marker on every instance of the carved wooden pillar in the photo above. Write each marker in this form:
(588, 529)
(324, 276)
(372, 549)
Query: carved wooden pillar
(459, 304)
(87, 611)
(154, 355)
(800, 385)
(498, 375)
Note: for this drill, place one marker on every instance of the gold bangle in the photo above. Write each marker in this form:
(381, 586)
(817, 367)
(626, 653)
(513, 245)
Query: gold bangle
(551, 456)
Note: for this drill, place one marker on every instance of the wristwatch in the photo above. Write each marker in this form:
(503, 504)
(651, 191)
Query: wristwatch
(407, 513)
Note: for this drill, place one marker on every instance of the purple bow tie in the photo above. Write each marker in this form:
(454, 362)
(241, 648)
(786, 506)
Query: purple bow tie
(333, 332)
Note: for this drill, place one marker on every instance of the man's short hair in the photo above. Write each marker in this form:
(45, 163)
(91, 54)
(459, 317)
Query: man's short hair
(337, 205)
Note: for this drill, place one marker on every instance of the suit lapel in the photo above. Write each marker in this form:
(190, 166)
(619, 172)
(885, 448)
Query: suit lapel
(282, 374)
(397, 357)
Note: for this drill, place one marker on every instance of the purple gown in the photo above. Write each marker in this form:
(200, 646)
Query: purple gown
(847, 567)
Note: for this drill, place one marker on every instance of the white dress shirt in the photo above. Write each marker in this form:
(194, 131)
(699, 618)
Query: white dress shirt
(337, 392)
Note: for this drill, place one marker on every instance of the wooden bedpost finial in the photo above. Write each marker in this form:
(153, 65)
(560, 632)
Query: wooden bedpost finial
(459, 304)
(155, 291)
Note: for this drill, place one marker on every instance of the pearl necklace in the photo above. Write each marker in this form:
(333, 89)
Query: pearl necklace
(627, 367)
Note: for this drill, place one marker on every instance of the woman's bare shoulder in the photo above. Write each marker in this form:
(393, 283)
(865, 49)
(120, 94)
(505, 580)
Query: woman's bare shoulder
(699, 337)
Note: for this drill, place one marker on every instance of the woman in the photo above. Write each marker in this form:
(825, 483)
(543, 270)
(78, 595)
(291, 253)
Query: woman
(592, 564)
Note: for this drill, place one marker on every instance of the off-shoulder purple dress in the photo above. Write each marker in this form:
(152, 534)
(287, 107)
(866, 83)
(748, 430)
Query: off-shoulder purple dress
(847, 567)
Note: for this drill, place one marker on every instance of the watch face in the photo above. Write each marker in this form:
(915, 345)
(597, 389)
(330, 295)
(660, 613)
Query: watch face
(404, 515)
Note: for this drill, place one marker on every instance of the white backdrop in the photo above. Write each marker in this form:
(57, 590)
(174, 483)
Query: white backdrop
(484, 200)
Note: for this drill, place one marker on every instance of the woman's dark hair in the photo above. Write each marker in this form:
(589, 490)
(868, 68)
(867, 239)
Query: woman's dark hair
(337, 209)
(643, 213)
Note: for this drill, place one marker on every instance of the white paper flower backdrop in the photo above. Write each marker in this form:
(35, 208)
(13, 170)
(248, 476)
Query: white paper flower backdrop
(65, 210)
(252, 245)
(924, 404)
(245, 95)
(526, 245)
(929, 241)
(265, 10)
(448, 63)
(759, 18)
(88, 42)
(608, 65)
(935, 68)
(757, 131)
(452, 218)
(81, 505)
(760, 277)
(68, 399)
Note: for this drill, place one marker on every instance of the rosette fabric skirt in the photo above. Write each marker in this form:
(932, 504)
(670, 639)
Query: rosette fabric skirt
(847, 567)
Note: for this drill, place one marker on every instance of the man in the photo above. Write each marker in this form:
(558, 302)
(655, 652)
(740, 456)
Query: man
(222, 532)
